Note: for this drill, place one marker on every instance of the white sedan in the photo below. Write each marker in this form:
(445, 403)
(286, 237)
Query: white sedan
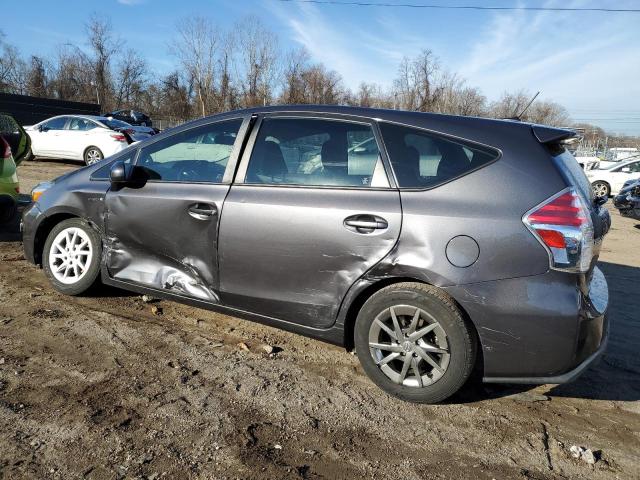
(609, 181)
(77, 137)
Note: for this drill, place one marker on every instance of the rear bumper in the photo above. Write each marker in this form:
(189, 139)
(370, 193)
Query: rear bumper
(566, 377)
(539, 329)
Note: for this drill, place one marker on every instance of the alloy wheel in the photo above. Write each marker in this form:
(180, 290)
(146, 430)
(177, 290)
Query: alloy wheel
(409, 346)
(70, 255)
(93, 155)
(600, 189)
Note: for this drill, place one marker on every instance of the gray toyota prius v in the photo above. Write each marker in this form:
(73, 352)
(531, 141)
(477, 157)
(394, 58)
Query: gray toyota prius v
(434, 245)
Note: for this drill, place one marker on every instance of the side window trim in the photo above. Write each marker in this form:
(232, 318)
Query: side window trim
(241, 173)
(440, 135)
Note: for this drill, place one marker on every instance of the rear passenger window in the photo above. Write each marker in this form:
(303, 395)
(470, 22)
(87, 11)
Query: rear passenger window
(421, 159)
(304, 151)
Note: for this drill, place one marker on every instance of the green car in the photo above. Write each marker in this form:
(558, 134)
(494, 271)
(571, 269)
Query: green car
(14, 145)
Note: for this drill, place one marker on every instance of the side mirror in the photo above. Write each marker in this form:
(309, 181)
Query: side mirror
(118, 173)
(42, 128)
(625, 169)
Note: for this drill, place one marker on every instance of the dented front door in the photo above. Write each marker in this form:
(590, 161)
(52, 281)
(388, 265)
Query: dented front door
(162, 227)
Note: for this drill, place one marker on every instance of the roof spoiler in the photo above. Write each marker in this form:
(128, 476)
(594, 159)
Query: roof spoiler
(550, 135)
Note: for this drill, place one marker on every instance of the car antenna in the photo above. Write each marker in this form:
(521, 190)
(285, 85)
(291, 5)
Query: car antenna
(519, 116)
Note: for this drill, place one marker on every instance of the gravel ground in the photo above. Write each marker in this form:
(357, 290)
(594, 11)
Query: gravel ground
(101, 387)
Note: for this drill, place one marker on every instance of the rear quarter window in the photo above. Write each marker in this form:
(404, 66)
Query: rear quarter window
(423, 159)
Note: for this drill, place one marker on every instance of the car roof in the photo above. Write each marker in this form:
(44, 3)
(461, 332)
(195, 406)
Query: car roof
(95, 118)
(429, 120)
(626, 162)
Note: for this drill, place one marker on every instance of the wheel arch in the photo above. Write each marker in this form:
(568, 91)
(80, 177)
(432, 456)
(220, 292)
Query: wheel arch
(84, 152)
(361, 297)
(48, 224)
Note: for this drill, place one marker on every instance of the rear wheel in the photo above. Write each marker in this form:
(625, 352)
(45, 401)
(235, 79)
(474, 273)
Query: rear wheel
(601, 189)
(71, 257)
(92, 155)
(414, 343)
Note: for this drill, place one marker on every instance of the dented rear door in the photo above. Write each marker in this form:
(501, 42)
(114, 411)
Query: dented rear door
(308, 215)
(162, 226)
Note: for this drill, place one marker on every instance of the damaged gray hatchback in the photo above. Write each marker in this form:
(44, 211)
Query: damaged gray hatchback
(431, 244)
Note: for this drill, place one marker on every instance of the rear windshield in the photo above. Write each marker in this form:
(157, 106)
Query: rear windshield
(113, 123)
(573, 174)
(422, 159)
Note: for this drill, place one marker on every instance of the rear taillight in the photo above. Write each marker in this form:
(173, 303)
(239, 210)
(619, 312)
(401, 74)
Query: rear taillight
(563, 225)
(119, 137)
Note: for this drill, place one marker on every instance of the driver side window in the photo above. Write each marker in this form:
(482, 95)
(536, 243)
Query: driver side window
(198, 155)
(55, 123)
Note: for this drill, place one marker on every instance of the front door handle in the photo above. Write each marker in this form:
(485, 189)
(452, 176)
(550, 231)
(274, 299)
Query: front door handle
(365, 223)
(202, 211)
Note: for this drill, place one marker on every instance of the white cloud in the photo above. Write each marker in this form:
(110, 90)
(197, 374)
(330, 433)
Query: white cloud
(346, 47)
(587, 62)
(131, 2)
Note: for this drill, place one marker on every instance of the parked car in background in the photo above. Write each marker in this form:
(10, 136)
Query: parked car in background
(15, 136)
(132, 117)
(374, 229)
(136, 132)
(588, 163)
(628, 200)
(12, 139)
(77, 137)
(9, 186)
(617, 155)
(609, 181)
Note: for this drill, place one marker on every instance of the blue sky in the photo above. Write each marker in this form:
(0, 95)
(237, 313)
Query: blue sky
(587, 61)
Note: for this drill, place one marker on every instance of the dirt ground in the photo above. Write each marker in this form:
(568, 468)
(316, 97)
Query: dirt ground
(102, 388)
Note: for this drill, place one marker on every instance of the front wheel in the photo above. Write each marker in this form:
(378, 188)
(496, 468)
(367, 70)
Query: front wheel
(71, 257)
(601, 189)
(414, 343)
(92, 155)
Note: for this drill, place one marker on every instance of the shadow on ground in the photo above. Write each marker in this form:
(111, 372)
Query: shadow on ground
(617, 376)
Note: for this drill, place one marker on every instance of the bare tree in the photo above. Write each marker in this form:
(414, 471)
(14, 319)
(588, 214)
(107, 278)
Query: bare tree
(130, 78)
(38, 81)
(322, 86)
(511, 105)
(295, 63)
(11, 67)
(258, 61)
(73, 77)
(104, 44)
(196, 48)
(417, 86)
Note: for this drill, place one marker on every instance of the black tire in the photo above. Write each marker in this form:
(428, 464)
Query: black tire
(92, 155)
(7, 209)
(29, 156)
(461, 339)
(91, 277)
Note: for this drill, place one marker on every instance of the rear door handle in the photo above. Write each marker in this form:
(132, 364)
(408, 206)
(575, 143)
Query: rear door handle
(365, 223)
(202, 211)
